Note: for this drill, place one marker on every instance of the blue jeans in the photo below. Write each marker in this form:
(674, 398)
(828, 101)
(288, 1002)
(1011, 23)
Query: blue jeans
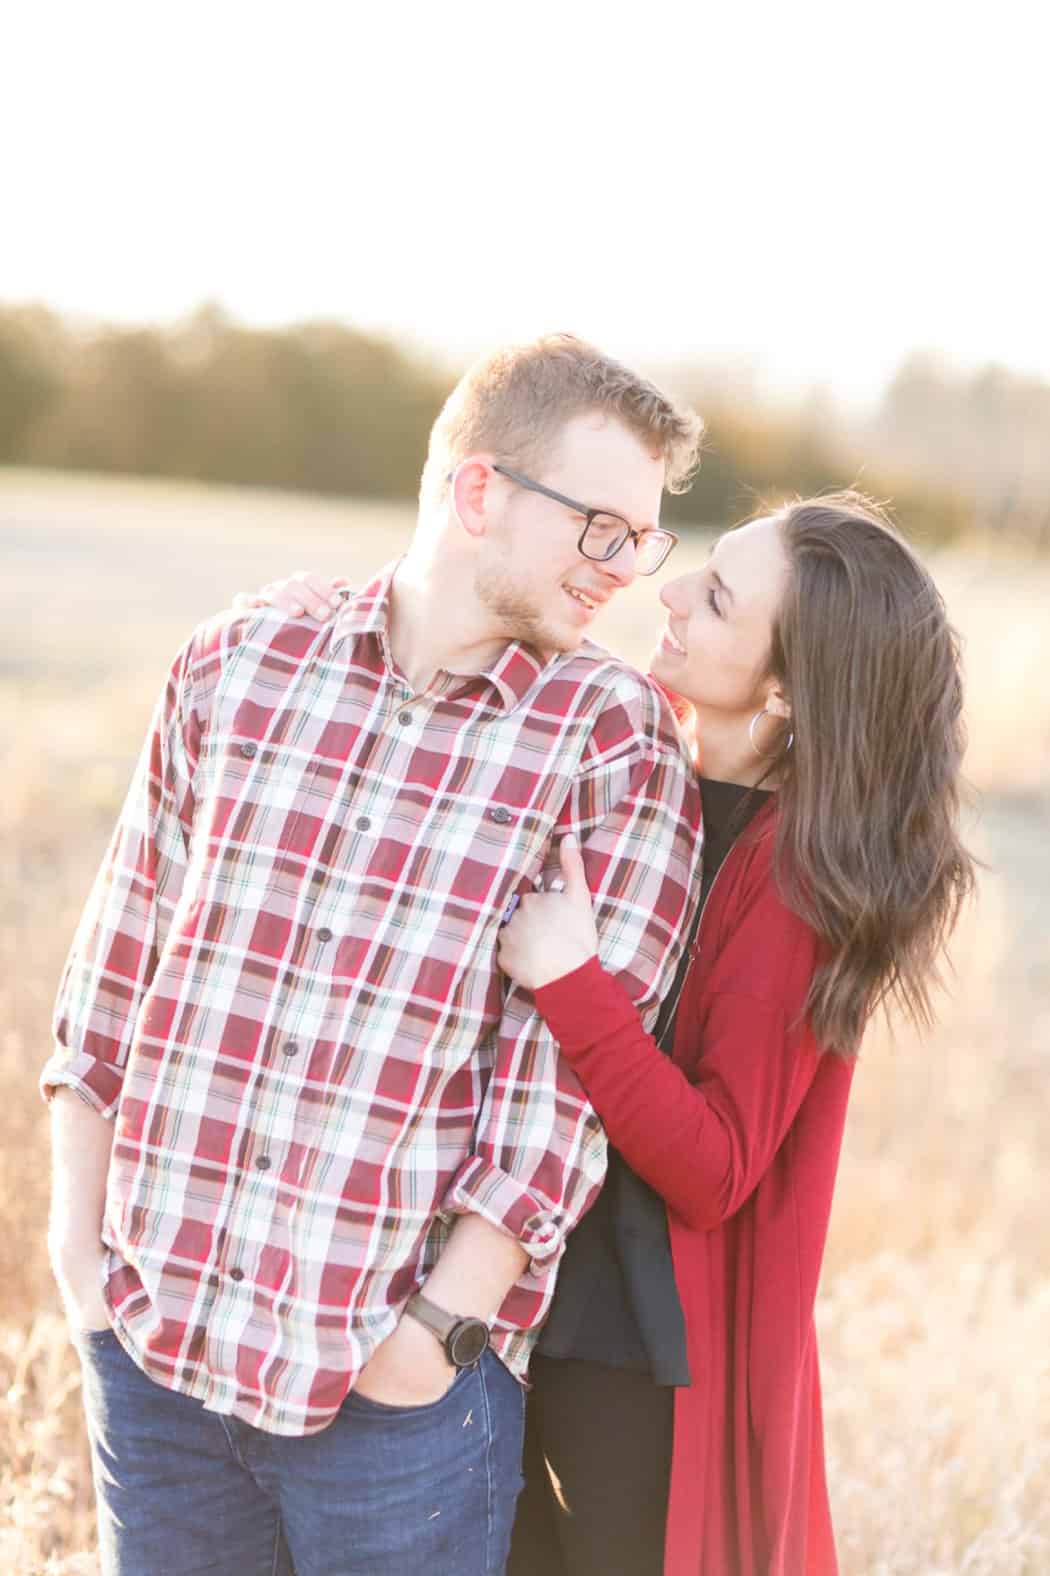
(382, 1491)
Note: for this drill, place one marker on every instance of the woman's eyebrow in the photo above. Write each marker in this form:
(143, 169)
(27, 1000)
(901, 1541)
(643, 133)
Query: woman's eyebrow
(721, 585)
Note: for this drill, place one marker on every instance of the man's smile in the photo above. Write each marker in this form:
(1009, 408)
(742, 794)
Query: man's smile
(586, 599)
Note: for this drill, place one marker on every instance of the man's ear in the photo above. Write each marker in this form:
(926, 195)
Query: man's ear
(471, 494)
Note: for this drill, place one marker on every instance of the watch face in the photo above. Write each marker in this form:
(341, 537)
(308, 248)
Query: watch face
(467, 1342)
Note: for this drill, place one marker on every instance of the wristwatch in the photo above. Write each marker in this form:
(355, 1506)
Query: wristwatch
(464, 1340)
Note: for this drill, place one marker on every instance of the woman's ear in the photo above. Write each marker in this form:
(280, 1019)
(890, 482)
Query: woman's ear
(776, 703)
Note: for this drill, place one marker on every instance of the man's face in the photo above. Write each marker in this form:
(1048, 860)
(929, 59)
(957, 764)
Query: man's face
(531, 577)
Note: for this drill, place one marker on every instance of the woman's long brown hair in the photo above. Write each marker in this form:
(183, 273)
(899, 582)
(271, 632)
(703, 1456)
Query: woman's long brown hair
(868, 847)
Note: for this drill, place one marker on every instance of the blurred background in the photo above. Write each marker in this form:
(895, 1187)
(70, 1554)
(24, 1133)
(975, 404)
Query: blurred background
(246, 252)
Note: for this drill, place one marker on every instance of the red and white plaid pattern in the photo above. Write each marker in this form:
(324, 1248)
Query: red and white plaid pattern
(284, 989)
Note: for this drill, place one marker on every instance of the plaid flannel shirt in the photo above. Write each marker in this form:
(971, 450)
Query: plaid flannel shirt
(284, 989)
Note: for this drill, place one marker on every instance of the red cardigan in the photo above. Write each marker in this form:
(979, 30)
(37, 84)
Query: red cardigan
(740, 1133)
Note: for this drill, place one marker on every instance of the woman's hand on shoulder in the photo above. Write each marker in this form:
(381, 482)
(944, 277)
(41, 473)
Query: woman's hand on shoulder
(551, 933)
(303, 592)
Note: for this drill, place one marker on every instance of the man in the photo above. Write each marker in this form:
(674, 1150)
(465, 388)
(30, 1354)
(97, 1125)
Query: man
(313, 1164)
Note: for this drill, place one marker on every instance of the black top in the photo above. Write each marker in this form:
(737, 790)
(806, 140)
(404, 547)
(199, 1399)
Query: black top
(615, 1301)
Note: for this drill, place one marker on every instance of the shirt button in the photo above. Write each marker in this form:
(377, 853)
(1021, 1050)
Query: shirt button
(290, 1048)
(248, 750)
(501, 814)
(236, 1275)
(362, 823)
(324, 934)
(404, 718)
(263, 1162)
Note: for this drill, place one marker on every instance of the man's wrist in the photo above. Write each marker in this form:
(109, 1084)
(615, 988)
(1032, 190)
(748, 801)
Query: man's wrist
(77, 1269)
(414, 1345)
(463, 1338)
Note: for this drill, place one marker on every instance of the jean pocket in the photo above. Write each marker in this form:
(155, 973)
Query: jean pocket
(368, 1407)
(93, 1345)
(95, 1336)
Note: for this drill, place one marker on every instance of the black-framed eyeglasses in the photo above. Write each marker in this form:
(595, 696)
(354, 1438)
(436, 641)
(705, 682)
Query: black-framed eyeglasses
(604, 533)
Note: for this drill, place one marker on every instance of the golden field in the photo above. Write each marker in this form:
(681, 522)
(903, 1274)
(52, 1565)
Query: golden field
(935, 1312)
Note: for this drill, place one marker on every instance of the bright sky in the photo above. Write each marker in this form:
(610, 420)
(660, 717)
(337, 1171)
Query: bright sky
(810, 189)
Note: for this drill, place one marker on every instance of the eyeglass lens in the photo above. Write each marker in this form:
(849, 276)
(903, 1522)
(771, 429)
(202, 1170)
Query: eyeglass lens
(606, 534)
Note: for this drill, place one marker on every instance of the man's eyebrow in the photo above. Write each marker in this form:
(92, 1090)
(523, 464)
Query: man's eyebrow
(605, 509)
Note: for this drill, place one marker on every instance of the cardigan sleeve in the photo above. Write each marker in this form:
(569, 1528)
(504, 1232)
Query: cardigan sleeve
(705, 1141)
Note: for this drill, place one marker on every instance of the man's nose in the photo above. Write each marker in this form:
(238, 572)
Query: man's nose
(621, 567)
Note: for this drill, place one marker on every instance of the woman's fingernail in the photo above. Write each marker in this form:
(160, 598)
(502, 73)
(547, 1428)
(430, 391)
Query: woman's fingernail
(295, 609)
(557, 885)
(569, 840)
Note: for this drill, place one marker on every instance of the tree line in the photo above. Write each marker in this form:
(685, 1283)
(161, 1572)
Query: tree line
(323, 407)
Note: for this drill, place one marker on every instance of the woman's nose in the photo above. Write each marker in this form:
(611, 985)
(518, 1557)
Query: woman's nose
(669, 595)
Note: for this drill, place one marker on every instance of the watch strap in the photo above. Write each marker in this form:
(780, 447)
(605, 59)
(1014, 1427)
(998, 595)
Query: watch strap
(436, 1319)
(464, 1337)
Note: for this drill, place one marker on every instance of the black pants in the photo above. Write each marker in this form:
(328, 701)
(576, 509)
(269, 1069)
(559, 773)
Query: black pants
(604, 1434)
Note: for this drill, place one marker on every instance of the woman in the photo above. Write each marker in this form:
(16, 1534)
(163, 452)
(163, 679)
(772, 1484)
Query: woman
(676, 1400)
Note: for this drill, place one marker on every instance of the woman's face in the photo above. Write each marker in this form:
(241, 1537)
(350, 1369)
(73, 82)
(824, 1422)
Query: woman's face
(715, 646)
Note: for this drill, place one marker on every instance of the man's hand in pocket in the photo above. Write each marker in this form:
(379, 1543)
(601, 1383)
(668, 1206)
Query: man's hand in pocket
(409, 1368)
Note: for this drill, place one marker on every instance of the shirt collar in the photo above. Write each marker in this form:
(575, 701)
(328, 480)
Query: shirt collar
(514, 672)
(367, 612)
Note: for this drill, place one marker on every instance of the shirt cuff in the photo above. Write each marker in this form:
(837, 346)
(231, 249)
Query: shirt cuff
(98, 1083)
(583, 1007)
(480, 1188)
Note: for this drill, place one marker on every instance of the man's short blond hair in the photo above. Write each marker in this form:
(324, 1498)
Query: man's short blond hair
(514, 403)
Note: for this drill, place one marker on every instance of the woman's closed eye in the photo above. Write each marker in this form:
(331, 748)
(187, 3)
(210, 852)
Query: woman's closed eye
(712, 602)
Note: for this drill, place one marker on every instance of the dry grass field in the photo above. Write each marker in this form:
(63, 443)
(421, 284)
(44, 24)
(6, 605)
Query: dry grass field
(935, 1313)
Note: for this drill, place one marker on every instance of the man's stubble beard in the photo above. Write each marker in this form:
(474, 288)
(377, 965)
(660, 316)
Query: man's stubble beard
(499, 591)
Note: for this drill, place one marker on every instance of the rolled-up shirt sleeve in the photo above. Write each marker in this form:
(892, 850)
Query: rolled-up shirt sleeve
(126, 918)
(539, 1152)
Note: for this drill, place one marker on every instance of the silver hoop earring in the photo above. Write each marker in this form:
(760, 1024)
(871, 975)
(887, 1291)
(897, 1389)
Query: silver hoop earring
(766, 755)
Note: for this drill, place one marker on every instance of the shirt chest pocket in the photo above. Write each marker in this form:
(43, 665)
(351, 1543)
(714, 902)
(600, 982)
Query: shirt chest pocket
(255, 792)
(477, 853)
